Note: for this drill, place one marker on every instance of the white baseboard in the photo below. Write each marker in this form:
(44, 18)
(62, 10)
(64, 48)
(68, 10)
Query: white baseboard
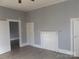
(65, 52)
(24, 44)
(4, 51)
(37, 46)
(58, 50)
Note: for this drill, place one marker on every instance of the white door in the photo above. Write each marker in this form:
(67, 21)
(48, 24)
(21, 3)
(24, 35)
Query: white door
(76, 36)
(4, 37)
(49, 40)
(30, 33)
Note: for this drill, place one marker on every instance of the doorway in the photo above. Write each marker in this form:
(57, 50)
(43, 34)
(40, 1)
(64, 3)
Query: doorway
(14, 29)
(75, 36)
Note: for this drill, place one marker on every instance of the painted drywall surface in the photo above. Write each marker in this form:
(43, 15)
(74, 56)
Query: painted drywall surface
(55, 18)
(6, 13)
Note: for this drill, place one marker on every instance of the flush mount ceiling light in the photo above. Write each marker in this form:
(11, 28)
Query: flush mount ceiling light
(20, 1)
(32, 0)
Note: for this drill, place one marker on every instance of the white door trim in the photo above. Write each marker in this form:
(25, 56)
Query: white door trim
(20, 36)
(71, 33)
(71, 30)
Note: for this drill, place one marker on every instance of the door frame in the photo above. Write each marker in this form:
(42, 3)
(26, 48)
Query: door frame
(20, 36)
(71, 34)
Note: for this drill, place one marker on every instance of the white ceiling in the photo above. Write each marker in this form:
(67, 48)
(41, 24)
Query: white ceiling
(28, 5)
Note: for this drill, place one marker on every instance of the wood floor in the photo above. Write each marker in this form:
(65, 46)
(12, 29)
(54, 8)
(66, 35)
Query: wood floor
(34, 53)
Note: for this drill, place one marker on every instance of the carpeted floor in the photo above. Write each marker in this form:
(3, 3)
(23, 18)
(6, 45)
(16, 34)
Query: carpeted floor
(34, 53)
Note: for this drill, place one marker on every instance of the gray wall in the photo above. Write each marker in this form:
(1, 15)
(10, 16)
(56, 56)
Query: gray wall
(13, 14)
(55, 18)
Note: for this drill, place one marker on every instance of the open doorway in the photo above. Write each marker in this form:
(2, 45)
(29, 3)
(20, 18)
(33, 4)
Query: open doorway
(14, 34)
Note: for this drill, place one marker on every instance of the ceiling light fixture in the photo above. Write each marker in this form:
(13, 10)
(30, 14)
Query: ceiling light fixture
(32, 0)
(20, 1)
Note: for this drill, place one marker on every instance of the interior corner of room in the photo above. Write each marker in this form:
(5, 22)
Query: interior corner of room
(53, 28)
